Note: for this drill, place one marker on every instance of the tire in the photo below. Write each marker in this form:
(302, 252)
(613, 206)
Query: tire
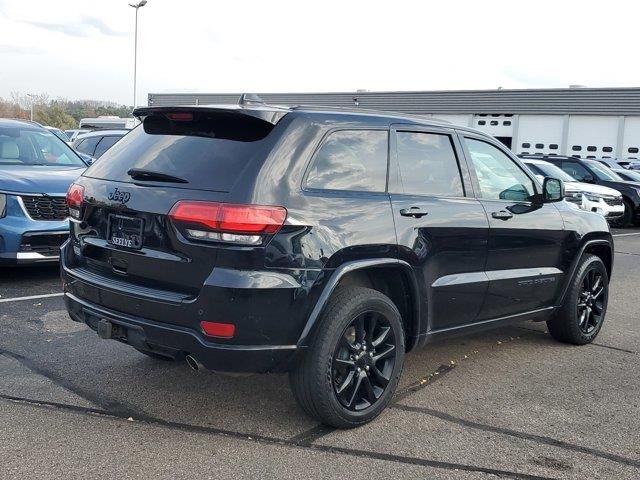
(320, 379)
(578, 322)
(627, 218)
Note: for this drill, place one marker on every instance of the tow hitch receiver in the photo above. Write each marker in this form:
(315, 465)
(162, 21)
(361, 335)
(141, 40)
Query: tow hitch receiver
(105, 329)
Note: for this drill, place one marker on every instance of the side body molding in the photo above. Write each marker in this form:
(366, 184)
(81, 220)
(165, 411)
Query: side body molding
(349, 267)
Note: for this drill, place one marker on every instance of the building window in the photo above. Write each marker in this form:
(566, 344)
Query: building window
(482, 122)
(539, 145)
(607, 149)
(506, 123)
(483, 115)
(577, 156)
(591, 148)
(525, 153)
(632, 150)
(577, 148)
(494, 123)
(526, 145)
(553, 146)
(591, 156)
(508, 114)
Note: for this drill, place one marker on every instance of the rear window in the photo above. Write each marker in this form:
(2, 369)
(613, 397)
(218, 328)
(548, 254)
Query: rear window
(207, 149)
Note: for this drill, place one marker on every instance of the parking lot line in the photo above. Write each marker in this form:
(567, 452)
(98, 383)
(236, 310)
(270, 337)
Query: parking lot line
(625, 234)
(30, 297)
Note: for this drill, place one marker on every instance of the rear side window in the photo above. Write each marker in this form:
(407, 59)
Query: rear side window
(105, 144)
(428, 165)
(354, 160)
(88, 145)
(208, 149)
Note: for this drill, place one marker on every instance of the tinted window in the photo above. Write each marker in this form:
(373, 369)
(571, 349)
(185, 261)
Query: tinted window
(105, 144)
(498, 175)
(88, 145)
(577, 171)
(526, 145)
(591, 148)
(351, 160)
(428, 165)
(576, 148)
(539, 145)
(607, 149)
(208, 149)
(553, 146)
(632, 149)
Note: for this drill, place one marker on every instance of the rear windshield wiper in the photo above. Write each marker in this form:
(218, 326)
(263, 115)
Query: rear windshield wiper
(150, 175)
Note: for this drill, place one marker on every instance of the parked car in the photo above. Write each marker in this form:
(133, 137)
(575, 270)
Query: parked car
(259, 238)
(591, 171)
(628, 175)
(593, 198)
(614, 163)
(36, 169)
(59, 133)
(73, 133)
(97, 142)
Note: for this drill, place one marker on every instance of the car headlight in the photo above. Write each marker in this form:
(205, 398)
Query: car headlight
(573, 197)
(593, 197)
(3, 204)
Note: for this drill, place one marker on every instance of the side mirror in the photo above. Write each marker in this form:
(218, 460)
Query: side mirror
(588, 179)
(552, 190)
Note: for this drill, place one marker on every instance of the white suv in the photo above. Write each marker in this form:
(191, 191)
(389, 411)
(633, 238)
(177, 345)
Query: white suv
(594, 198)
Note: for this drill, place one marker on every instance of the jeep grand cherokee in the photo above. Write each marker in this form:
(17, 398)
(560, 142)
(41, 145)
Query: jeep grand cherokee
(322, 242)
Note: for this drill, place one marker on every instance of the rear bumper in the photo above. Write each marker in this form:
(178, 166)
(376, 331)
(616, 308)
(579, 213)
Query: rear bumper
(175, 341)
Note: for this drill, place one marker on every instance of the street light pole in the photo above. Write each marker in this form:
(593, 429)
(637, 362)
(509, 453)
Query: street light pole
(141, 3)
(31, 95)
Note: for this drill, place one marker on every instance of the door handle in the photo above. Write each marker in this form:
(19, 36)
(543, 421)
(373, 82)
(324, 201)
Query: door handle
(502, 215)
(415, 212)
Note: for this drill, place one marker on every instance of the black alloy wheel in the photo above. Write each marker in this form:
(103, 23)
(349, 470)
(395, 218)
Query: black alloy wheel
(363, 361)
(591, 301)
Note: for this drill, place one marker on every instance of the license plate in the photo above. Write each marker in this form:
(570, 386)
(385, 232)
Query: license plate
(125, 231)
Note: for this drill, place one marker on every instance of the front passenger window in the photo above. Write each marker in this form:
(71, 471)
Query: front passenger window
(577, 171)
(500, 178)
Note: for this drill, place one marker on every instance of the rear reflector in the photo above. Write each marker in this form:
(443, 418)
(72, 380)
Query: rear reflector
(230, 218)
(75, 199)
(218, 330)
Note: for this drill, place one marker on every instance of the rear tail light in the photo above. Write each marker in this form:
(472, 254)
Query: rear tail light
(75, 200)
(218, 330)
(226, 222)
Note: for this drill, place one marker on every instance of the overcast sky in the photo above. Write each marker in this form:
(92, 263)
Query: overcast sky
(84, 49)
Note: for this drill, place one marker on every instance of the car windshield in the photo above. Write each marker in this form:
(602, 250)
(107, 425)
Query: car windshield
(60, 134)
(602, 172)
(35, 146)
(549, 170)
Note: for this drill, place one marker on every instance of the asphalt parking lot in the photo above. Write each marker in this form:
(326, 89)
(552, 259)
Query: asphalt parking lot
(510, 403)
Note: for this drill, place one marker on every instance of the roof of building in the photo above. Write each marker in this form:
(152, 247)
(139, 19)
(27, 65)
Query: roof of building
(588, 101)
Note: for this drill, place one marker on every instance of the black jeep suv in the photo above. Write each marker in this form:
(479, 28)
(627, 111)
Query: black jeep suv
(322, 242)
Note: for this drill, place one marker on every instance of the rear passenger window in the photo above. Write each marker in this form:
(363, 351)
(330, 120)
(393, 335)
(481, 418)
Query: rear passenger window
(427, 165)
(353, 160)
(88, 145)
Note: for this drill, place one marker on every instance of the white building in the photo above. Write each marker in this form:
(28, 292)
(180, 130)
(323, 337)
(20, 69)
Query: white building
(585, 122)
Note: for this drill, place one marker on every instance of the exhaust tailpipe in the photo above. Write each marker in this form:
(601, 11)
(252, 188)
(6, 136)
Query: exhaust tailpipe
(194, 363)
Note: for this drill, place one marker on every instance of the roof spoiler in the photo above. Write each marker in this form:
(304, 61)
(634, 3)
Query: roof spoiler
(261, 111)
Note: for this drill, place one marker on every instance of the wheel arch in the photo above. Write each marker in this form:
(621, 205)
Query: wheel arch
(389, 276)
(602, 248)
